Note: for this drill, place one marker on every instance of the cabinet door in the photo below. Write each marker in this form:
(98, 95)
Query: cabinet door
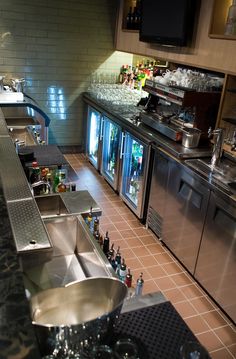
(111, 135)
(93, 135)
(184, 214)
(216, 264)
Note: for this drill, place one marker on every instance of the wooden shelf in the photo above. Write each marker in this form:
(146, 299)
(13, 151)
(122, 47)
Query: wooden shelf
(130, 30)
(222, 37)
(230, 120)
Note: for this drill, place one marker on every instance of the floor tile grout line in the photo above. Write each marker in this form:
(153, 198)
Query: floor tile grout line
(105, 187)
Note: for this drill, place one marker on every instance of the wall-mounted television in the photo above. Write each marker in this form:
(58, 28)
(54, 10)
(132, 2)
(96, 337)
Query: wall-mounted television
(168, 22)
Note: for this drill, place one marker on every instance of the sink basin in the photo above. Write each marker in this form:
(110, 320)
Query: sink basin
(224, 173)
(21, 122)
(51, 205)
(23, 135)
(75, 256)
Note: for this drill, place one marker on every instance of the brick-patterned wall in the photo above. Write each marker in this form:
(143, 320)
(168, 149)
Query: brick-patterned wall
(56, 45)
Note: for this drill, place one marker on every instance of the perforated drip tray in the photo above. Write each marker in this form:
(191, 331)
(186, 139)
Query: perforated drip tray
(158, 330)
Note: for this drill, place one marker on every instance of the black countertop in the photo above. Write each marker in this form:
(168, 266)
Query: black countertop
(16, 331)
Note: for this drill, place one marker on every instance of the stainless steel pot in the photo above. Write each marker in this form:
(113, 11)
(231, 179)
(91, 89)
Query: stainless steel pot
(67, 319)
(191, 137)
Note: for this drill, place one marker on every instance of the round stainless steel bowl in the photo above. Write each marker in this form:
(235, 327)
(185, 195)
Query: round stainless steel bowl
(81, 314)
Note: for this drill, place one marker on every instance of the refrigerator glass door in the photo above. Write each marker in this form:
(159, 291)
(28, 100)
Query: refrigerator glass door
(134, 173)
(110, 151)
(94, 124)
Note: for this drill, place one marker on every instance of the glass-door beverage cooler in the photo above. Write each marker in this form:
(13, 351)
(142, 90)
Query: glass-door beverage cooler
(93, 136)
(111, 137)
(134, 172)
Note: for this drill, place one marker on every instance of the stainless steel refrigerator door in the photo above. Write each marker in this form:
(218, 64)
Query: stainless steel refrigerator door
(135, 158)
(111, 136)
(94, 121)
(216, 264)
(177, 208)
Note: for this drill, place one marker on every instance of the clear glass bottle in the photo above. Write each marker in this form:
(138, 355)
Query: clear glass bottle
(230, 28)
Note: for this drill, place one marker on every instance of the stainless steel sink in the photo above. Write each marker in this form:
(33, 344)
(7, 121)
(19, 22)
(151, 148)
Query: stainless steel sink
(23, 135)
(51, 205)
(75, 256)
(20, 122)
(224, 173)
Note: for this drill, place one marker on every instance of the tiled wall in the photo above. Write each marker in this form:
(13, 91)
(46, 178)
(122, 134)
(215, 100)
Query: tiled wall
(56, 45)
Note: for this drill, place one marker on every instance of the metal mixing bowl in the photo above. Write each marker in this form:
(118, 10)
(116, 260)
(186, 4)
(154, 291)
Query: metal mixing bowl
(67, 319)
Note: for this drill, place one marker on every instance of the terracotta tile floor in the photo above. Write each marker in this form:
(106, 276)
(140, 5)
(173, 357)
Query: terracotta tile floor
(143, 253)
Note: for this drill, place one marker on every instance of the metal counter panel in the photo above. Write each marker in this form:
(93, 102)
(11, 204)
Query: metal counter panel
(27, 226)
(13, 177)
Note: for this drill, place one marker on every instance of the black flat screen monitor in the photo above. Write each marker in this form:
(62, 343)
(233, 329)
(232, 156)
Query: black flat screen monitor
(167, 22)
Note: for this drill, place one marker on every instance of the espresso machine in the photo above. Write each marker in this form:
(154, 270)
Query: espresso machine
(170, 110)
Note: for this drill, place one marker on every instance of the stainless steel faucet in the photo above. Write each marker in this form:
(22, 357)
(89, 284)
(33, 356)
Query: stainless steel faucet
(41, 183)
(218, 145)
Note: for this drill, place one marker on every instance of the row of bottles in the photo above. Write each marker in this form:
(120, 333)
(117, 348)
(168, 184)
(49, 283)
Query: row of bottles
(48, 180)
(113, 147)
(114, 256)
(133, 17)
(135, 76)
(135, 170)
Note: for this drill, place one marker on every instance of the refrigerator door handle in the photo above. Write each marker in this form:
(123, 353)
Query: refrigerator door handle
(122, 145)
(102, 128)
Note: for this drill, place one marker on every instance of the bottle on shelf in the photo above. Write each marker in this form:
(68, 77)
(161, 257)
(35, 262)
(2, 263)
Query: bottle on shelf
(129, 19)
(89, 219)
(230, 27)
(35, 173)
(106, 244)
(118, 259)
(111, 252)
(139, 285)
(96, 225)
(97, 236)
(61, 187)
(56, 178)
(49, 183)
(128, 279)
(122, 271)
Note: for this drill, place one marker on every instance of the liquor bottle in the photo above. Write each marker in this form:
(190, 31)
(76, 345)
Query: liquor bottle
(56, 178)
(101, 241)
(230, 28)
(35, 174)
(49, 183)
(111, 252)
(129, 19)
(139, 285)
(61, 187)
(113, 263)
(89, 219)
(122, 271)
(97, 236)
(96, 224)
(106, 244)
(118, 260)
(128, 279)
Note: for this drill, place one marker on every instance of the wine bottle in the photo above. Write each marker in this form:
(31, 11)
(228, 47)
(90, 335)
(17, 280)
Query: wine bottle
(106, 244)
(128, 279)
(89, 219)
(122, 271)
(96, 225)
